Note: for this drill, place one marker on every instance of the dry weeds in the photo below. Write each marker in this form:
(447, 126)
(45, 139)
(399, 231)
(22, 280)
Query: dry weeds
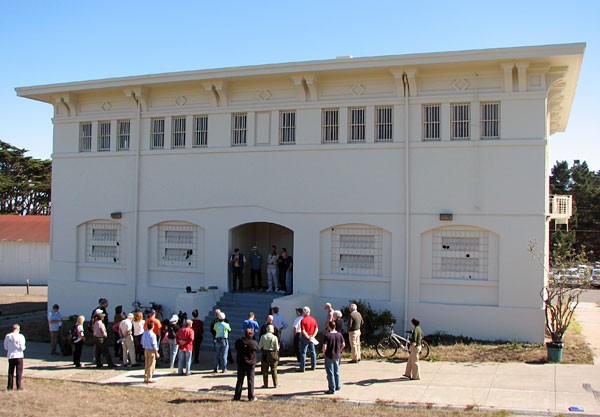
(42, 398)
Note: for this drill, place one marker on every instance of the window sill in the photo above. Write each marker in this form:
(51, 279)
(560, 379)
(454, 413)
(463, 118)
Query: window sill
(101, 265)
(459, 282)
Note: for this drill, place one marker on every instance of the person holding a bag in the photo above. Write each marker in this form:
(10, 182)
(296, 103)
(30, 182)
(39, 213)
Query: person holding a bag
(269, 344)
(416, 337)
(78, 338)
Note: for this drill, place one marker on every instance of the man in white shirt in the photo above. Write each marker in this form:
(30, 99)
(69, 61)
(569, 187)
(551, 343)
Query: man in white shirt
(280, 324)
(297, 333)
(14, 344)
(272, 281)
(126, 333)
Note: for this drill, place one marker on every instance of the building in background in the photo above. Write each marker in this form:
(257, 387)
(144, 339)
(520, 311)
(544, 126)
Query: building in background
(414, 182)
(24, 249)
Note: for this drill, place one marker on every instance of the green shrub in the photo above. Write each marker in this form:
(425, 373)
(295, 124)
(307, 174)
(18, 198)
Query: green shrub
(374, 322)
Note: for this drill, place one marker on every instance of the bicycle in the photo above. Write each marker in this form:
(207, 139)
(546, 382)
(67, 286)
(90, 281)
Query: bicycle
(389, 345)
(158, 308)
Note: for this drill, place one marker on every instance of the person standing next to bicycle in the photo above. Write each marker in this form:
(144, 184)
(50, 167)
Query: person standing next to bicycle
(354, 325)
(415, 339)
(237, 262)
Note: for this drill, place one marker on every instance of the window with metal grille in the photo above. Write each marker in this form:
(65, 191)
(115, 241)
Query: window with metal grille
(238, 129)
(178, 132)
(85, 137)
(356, 251)
(460, 124)
(330, 125)
(356, 124)
(157, 133)
(490, 120)
(102, 242)
(460, 254)
(103, 136)
(200, 131)
(177, 245)
(124, 129)
(431, 121)
(384, 123)
(287, 127)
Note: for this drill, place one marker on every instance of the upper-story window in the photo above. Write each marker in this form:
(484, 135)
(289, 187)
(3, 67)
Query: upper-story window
(384, 123)
(330, 125)
(431, 121)
(157, 133)
(104, 136)
(178, 132)
(85, 137)
(124, 129)
(238, 129)
(287, 127)
(460, 124)
(356, 124)
(200, 131)
(490, 120)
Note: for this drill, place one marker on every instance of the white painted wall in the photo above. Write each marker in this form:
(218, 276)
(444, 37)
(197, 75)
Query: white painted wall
(20, 261)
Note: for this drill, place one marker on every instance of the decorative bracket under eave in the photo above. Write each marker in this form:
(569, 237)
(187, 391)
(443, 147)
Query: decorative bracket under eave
(410, 76)
(300, 87)
(140, 97)
(68, 101)
(311, 84)
(218, 93)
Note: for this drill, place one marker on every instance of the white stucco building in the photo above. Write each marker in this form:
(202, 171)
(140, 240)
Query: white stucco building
(414, 182)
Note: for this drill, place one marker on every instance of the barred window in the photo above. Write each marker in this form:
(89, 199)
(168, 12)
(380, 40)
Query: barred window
(85, 137)
(431, 121)
(330, 125)
(460, 254)
(157, 133)
(103, 136)
(490, 120)
(460, 125)
(102, 242)
(200, 131)
(124, 129)
(356, 124)
(287, 127)
(357, 251)
(238, 129)
(178, 132)
(384, 123)
(177, 245)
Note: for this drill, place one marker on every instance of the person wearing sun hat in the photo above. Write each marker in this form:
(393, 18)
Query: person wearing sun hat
(172, 329)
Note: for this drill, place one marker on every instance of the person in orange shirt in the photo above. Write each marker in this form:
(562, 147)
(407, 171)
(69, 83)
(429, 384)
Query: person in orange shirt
(157, 324)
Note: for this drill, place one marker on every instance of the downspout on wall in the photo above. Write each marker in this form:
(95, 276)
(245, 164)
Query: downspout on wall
(137, 195)
(406, 90)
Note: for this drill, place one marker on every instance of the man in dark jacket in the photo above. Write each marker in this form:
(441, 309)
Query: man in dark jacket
(246, 348)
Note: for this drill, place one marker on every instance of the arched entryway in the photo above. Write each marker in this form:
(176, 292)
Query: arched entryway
(263, 235)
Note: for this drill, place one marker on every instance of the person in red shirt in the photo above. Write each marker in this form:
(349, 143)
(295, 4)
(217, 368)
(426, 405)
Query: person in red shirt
(309, 329)
(198, 328)
(185, 341)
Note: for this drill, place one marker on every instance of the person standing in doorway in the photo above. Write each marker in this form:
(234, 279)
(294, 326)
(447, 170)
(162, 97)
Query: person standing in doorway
(416, 337)
(54, 324)
(272, 279)
(256, 263)
(237, 262)
(285, 264)
(14, 344)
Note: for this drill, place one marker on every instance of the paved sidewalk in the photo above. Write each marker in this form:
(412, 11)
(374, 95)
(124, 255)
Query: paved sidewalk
(515, 387)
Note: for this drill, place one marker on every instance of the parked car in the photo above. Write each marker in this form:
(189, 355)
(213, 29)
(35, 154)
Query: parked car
(595, 278)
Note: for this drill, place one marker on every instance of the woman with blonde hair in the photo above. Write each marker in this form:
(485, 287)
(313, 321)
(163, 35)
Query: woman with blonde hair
(138, 330)
(78, 339)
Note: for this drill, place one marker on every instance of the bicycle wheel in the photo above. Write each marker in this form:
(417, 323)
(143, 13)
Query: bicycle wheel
(386, 348)
(424, 349)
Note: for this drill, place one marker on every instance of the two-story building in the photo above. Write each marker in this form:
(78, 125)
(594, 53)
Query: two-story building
(414, 182)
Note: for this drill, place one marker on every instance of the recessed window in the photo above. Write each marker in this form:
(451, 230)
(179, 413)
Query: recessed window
(356, 124)
(490, 120)
(85, 137)
(460, 254)
(330, 125)
(287, 127)
(460, 124)
(177, 245)
(102, 242)
(157, 133)
(200, 131)
(103, 136)
(124, 129)
(431, 121)
(384, 123)
(238, 129)
(356, 250)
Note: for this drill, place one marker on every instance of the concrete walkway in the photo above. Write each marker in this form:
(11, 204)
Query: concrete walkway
(515, 387)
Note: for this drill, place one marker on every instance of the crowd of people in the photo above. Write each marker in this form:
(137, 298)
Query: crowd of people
(146, 340)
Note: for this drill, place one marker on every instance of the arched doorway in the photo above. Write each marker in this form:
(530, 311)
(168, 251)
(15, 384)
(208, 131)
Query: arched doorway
(263, 235)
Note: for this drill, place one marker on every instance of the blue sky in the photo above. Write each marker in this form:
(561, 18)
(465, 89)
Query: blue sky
(45, 42)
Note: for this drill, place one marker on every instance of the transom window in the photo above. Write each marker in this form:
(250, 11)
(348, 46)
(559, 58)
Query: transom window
(103, 136)
(200, 131)
(287, 127)
(431, 121)
(178, 132)
(238, 129)
(85, 137)
(460, 254)
(490, 120)
(384, 123)
(356, 251)
(157, 133)
(124, 129)
(330, 125)
(102, 242)
(460, 124)
(177, 245)
(356, 124)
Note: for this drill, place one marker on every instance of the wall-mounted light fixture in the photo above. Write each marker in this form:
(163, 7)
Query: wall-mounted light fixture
(446, 217)
(115, 215)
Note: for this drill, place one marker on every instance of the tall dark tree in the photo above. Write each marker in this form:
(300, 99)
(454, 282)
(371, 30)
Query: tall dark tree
(25, 182)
